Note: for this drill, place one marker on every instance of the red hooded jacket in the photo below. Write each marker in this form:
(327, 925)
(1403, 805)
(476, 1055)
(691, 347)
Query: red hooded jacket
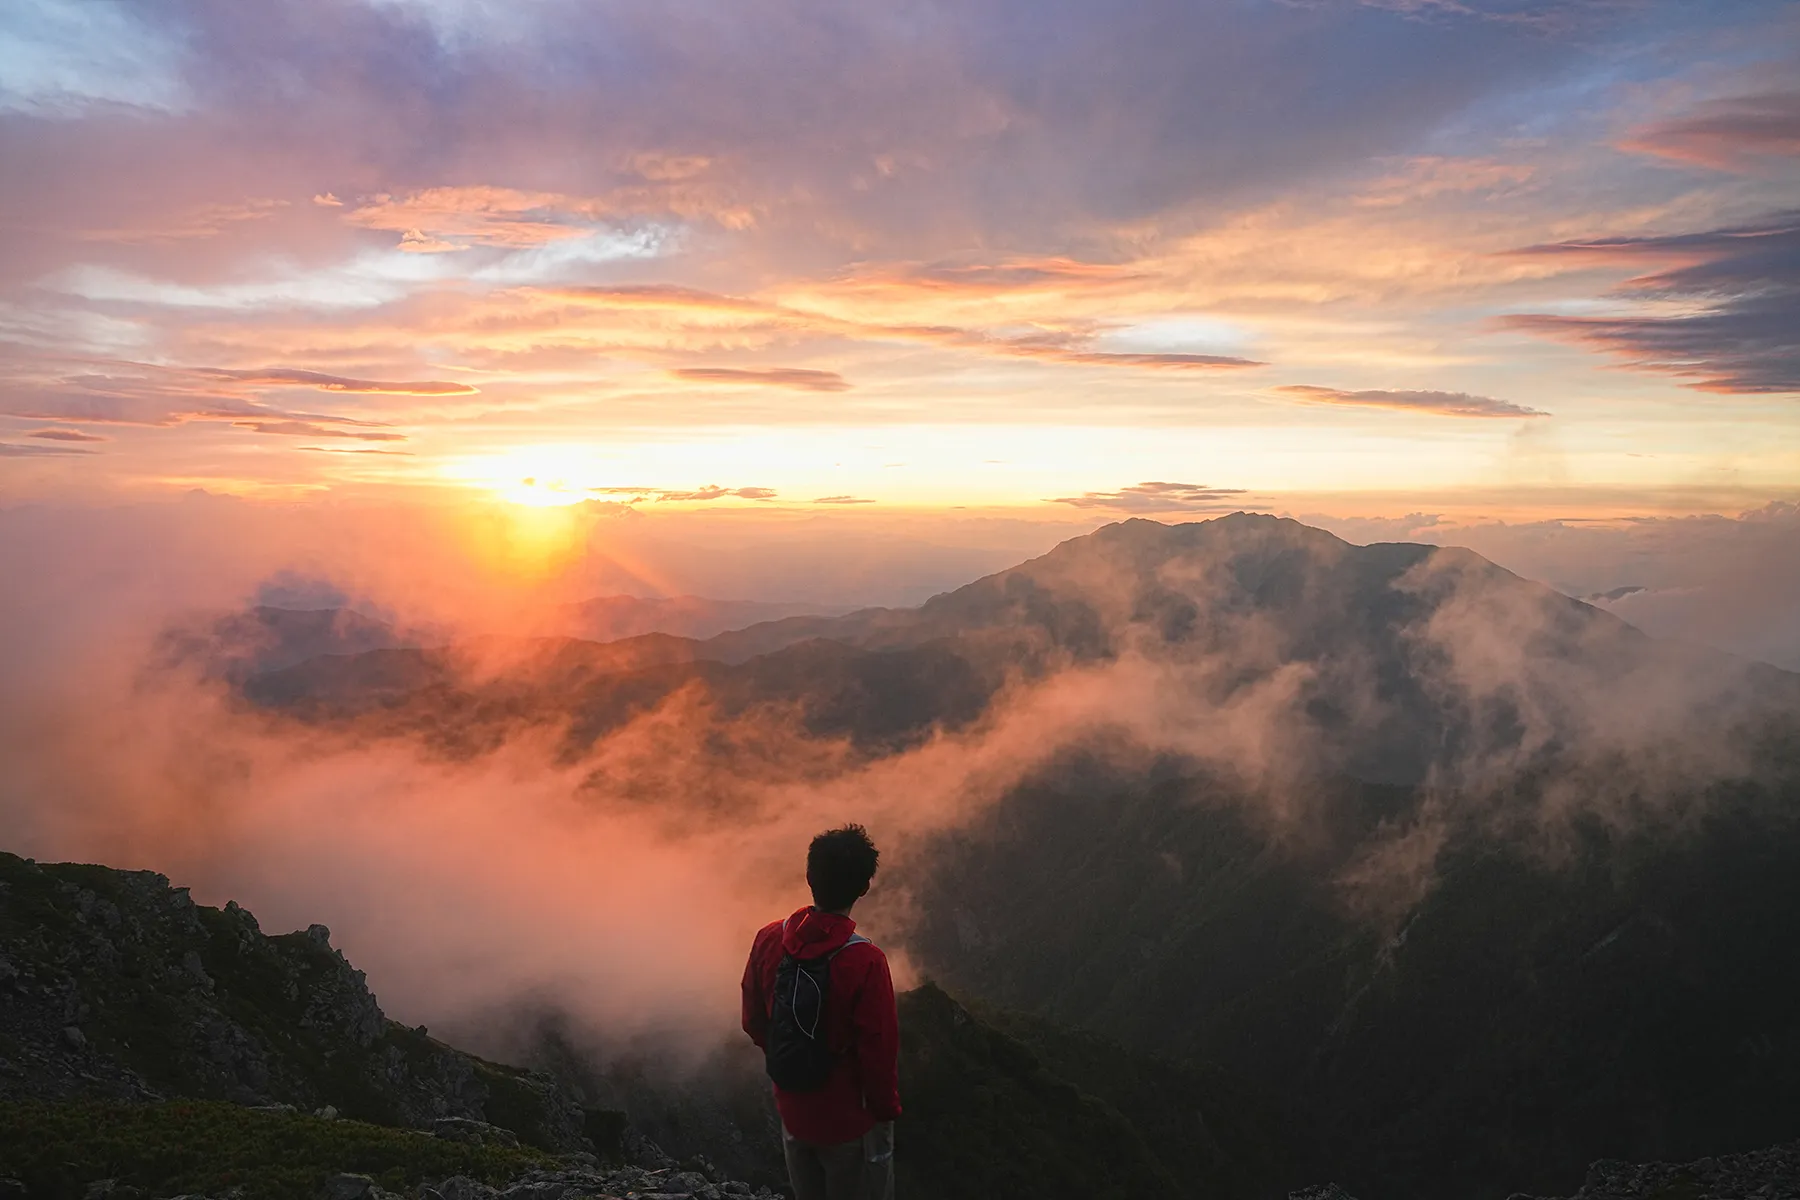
(861, 1027)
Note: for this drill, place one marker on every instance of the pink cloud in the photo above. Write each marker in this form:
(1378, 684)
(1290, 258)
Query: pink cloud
(1738, 133)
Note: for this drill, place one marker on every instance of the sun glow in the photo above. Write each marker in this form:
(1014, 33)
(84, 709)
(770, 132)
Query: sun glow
(525, 541)
(535, 476)
(536, 491)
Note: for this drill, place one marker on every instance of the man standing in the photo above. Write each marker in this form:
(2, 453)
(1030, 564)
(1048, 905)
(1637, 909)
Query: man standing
(819, 1002)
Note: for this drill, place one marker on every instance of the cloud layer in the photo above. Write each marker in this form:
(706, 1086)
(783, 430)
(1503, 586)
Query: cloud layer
(1159, 497)
(1731, 134)
(798, 378)
(1737, 292)
(567, 229)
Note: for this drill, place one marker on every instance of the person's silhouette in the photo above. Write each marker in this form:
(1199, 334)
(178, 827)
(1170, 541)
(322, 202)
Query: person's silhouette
(819, 1001)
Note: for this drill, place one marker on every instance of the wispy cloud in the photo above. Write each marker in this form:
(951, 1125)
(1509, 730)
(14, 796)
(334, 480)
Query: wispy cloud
(711, 491)
(204, 221)
(1446, 404)
(1159, 497)
(1094, 358)
(799, 378)
(843, 500)
(443, 219)
(1543, 16)
(1007, 277)
(1739, 287)
(130, 393)
(1432, 176)
(948, 228)
(65, 435)
(287, 377)
(1068, 346)
(308, 429)
(1737, 133)
(14, 450)
(455, 218)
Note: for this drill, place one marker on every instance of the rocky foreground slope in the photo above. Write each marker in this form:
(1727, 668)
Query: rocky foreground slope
(1768, 1174)
(151, 1047)
(122, 1002)
(117, 985)
(124, 1005)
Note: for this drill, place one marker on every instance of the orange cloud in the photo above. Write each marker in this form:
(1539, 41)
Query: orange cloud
(13, 450)
(1056, 276)
(207, 220)
(1155, 496)
(663, 296)
(799, 378)
(309, 429)
(1445, 404)
(474, 216)
(711, 491)
(440, 219)
(65, 435)
(1054, 345)
(1430, 176)
(286, 377)
(127, 393)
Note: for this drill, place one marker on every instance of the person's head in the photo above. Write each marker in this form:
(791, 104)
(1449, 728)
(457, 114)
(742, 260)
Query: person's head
(839, 865)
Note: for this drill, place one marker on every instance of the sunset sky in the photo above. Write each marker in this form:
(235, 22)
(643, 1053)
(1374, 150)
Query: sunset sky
(1512, 257)
(457, 312)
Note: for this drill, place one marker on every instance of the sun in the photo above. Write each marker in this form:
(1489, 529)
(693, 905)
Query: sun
(536, 492)
(534, 476)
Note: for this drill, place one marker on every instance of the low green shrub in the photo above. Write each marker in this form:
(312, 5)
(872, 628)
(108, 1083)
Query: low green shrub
(196, 1146)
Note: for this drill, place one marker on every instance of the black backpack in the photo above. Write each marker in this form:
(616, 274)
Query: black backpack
(795, 1053)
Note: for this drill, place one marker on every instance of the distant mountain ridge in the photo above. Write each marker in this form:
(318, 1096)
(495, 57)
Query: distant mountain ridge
(266, 638)
(610, 618)
(1373, 642)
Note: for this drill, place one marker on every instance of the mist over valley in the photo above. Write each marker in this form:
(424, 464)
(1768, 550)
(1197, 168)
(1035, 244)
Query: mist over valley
(1442, 881)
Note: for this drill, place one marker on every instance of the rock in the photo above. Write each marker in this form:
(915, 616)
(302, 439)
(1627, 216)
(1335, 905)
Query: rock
(475, 1133)
(73, 1038)
(606, 1128)
(12, 1189)
(319, 935)
(347, 1187)
(328, 1113)
(190, 962)
(458, 1187)
(1773, 1172)
(1321, 1191)
(546, 1189)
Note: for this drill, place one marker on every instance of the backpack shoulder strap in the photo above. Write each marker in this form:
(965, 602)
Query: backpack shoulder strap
(856, 939)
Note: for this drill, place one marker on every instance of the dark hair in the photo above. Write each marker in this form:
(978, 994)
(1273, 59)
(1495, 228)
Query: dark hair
(839, 865)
